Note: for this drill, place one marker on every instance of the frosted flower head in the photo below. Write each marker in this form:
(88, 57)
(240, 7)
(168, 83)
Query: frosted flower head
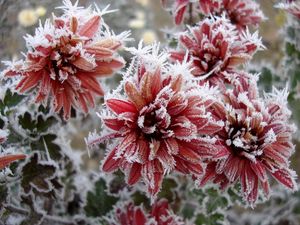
(214, 47)
(241, 13)
(66, 57)
(292, 7)
(128, 213)
(256, 139)
(158, 120)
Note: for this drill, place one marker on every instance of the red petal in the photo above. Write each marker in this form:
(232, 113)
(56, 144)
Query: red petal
(110, 164)
(114, 123)
(83, 64)
(286, 178)
(179, 15)
(114, 63)
(8, 159)
(120, 106)
(134, 174)
(90, 27)
(99, 52)
(31, 80)
(259, 170)
(139, 217)
(134, 95)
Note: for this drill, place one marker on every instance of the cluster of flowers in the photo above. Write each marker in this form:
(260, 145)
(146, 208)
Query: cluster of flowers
(125, 214)
(192, 110)
(241, 13)
(189, 110)
(66, 57)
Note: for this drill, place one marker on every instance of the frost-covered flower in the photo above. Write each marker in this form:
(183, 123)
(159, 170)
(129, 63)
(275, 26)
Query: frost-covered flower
(241, 13)
(163, 215)
(6, 159)
(256, 139)
(292, 7)
(127, 214)
(160, 121)
(214, 47)
(66, 57)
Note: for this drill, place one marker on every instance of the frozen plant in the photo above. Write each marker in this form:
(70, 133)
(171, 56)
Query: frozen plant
(216, 49)
(161, 120)
(65, 58)
(186, 135)
(6, 159)
(291, 6)
(241, 13)
(160, 214)
(256, 139)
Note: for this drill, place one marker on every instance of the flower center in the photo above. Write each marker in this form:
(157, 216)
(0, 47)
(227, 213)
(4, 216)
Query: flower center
(154, 121)
(243, 140)
(62, 57)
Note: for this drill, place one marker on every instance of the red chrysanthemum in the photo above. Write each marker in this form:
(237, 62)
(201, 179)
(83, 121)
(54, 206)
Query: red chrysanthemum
(65, 59)
(256, 140)
(216, 49)
(161, 122)
(128, 214)
(5, 160)
(241, 13)
(292, 7)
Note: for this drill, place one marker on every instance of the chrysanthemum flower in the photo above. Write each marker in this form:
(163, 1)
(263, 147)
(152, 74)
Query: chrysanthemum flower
(241, 13)
(159, 121)
(161, 214)
(125, 214)
(292, 7)
(66, 57)
(5, 160)
(256, 140)
(216, 49)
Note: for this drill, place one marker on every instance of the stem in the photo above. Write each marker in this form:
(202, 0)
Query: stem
(55, 219)
(16, 209)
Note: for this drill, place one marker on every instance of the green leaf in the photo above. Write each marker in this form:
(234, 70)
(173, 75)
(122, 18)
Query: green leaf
(188, 210)
(99, 202)
(216, 201)
(39, 176)
(47, 141)
(37, 125)
(168, 189)
(10, 100)
(214, 219)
